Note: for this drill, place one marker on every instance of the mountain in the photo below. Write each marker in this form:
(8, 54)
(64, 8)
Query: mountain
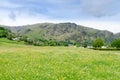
(63, 32)
(117, 35)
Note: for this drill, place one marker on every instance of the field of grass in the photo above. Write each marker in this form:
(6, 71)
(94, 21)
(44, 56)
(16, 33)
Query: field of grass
(23, 62)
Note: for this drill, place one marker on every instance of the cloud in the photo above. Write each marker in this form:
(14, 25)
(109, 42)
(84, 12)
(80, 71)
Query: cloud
(100, 14)
(15, 18)
(52, 8)
(12, 16)
(64, 8)
(100, 8)
(112, 26)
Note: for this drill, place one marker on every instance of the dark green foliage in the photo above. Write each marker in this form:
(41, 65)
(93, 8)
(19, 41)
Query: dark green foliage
(24, 38)
(10, 35)
(44, 42)
(116, 43)
(3, 32)
(77, 44)
(86, 43)
(52, 42)
(6, 33)
(107, 49)
(98, 43)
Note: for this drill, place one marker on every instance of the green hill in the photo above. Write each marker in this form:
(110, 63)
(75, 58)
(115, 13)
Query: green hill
(63, 32)
(117, 35)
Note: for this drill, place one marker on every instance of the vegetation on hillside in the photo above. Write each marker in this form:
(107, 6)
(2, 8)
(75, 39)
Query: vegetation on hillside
(63, 32)
(6, 33)
(3, 32)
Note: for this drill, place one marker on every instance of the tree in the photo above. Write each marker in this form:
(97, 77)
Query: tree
(52, 42)
(85, 43)
(10, 35)
(3, 32)
(116, 43)
(98, 43)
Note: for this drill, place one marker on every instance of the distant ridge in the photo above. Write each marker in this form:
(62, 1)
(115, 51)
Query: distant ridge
(63, 31)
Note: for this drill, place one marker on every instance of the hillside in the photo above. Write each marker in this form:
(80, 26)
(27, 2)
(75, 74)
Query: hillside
(117, 35)
(63, 32)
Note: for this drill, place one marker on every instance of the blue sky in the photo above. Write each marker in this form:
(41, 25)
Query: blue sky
(99, 14)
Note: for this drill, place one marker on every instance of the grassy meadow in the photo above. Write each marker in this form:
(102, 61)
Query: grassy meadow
(24, 62)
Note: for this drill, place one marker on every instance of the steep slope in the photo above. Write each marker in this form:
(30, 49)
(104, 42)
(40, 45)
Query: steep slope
(117, 35)
(62, 32)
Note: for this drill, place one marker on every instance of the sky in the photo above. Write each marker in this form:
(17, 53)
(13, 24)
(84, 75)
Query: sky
(98, 14)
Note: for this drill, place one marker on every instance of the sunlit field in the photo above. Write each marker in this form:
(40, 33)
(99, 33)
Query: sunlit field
(25, 62)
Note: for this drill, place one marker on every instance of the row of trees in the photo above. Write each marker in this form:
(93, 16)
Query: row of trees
(52, 42)
(44, 42)
(98, 43)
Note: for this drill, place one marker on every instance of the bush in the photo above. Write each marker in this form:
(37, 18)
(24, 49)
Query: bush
(3, 32)
(116, 43)
(98, 43)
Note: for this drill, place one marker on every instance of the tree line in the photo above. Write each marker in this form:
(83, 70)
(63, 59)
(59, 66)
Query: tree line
(98, 43)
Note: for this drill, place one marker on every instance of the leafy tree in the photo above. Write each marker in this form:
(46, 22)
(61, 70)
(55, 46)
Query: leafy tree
(24, 38)
(3, 32)
(52, 42)
(98, 43)
(6, 33)
(77, 44)
(30, 41)
(10, 35)
(85, 43)
(62, 43)
(116, 43)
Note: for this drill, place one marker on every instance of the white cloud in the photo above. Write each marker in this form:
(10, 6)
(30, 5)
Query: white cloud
(12, 13)
(102, 25)
(20, 18)
(27, 19)
(100, 8)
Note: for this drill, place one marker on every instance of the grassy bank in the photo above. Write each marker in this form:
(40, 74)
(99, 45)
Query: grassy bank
(107, 49)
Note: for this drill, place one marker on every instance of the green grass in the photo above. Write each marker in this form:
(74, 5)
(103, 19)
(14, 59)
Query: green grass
(6, 41)
(22, 62)
(107, 49)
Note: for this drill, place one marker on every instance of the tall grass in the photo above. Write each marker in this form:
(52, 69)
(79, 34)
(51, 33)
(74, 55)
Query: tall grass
(21, 62)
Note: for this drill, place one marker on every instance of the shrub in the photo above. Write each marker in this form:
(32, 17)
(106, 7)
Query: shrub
(116, 43)
(98, 43)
